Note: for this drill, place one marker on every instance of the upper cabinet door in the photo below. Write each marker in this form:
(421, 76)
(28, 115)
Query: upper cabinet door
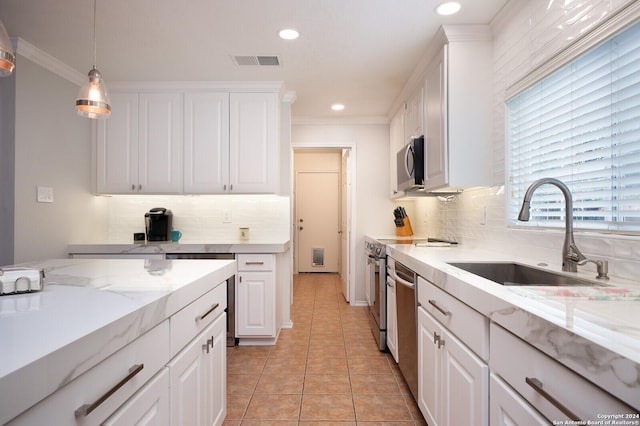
(206, 142)
(253, 143)
(117, 147)
(436, 123)
(160, 143)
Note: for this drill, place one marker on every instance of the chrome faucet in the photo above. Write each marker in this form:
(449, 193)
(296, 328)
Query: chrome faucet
(571, 255)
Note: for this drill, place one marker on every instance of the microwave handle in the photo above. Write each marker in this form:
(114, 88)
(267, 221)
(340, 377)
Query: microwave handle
(409, 151)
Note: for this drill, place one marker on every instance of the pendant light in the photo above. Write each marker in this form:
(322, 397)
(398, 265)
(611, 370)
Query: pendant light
(7, 58)
(93, 99)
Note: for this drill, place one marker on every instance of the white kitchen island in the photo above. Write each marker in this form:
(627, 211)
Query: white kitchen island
(93, 319)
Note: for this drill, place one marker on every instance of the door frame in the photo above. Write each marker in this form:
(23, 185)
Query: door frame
(351, 197)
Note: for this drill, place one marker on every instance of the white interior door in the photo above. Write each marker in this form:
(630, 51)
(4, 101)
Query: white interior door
(318, 221)
(344, 224)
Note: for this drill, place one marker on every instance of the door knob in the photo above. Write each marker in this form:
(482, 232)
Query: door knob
(301, 220)
(301, 228)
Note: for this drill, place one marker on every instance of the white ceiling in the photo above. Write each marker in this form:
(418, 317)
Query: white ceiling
(357, 52)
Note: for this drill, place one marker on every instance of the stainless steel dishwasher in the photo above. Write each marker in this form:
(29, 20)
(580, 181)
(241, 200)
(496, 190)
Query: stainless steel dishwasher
(407, 309)
(231, 288)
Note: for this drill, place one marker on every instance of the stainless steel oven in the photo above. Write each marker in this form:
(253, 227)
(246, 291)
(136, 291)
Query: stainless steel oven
(376, 290)
(231, 289)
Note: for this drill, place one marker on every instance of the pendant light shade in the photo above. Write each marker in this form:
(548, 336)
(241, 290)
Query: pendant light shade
(7, 58)
(93, 99)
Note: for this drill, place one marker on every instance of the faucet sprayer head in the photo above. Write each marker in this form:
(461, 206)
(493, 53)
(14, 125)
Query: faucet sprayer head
(524, 211)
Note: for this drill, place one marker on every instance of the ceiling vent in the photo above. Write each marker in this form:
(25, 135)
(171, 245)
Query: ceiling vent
(257, 60)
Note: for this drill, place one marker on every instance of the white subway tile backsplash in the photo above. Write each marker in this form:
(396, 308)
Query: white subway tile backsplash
(201, 218)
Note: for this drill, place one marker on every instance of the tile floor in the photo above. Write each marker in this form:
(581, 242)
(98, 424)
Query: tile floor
(327, 370)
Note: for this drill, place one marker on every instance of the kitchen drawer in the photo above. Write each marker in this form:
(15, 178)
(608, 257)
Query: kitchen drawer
(518, 363)
(149, 353)
(506, 407)
(467, 324)
(195, 317)
(149, 406)
(256, 262)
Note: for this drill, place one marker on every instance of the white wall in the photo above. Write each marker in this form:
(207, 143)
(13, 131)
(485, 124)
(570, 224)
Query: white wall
(528, 33)
(373, 208)
(7, 167)
(52, 148)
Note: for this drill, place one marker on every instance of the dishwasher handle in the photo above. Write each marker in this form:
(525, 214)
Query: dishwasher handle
(402, 281)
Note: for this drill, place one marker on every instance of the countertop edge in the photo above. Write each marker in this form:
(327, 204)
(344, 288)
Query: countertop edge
(168, 247)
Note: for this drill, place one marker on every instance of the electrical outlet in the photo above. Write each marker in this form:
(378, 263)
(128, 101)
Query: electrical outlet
(45, 194)
(226, 216)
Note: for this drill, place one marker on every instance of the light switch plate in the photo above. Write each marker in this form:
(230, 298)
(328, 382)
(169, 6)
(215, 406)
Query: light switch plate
(226, 216)
(45, 194)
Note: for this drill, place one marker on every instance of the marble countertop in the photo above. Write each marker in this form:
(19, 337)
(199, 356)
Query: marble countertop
(595, 331)
(88, 310)
(185, 246)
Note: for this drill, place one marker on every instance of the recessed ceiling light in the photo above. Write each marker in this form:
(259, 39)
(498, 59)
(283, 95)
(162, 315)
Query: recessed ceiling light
(448, 8)
(337, 107)
(288, 34)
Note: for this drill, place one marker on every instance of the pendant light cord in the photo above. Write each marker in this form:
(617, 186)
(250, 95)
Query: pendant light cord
(95, 2)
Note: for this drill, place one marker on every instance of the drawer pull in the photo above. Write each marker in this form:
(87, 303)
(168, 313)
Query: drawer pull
(254, 263)
(86, 409)
(203, 316)
(435, 305)
(537, 386)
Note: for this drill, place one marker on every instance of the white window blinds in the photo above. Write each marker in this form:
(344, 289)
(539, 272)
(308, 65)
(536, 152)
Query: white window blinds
(581, 124)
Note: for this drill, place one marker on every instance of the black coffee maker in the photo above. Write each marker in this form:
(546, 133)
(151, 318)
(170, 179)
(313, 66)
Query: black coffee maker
(158, 223)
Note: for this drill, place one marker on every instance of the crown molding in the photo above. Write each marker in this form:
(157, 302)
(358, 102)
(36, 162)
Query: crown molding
(302, 120)
(37, 56)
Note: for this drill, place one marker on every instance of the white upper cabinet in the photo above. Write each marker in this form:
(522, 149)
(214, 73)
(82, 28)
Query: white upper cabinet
(253, 143)
(458, 109)
(139, 148)
(206, 142)
(413, 116)
(396, 130)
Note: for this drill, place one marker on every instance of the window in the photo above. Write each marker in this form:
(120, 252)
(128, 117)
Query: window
(581, 125)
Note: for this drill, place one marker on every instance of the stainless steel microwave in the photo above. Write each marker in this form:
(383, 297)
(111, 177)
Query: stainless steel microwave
(410, 165)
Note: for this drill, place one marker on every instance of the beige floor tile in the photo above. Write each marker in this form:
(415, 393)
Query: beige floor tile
(273, 407)
(290, 350)
(327, 351)
(285, 366)
(327, 407)
(325, 423)
(369, 366)
(269, 423)
(243, 365)
(374, 384)
(381, 408)
(360, 350)
(327, 366)
(326, 384)
(242, 383)
(237, 406)
(280, 384)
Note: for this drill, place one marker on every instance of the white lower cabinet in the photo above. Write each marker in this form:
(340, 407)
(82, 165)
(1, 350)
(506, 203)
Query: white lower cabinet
(392, 320)
(559, 394)
(507, 408)
(453, 382)
(149, 406)
(197, 379)
(255, 296)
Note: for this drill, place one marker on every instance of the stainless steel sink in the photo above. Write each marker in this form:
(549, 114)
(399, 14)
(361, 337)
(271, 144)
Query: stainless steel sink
(507, 273)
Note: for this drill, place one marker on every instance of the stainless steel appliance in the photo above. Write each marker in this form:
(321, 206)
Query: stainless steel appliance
(410, 165)
(231, 289)
(376, 290)
(407, 310)
(158, 224)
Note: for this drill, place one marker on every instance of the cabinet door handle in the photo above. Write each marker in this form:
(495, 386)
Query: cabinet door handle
(86, 409)
(436, 338)
(133, 187)
(537, 386)
(435, 305)
(211, 309)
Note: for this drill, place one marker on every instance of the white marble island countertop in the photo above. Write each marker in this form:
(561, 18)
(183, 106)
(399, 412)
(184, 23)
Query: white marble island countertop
(184, 246)
(593, 330)
(88, 310)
